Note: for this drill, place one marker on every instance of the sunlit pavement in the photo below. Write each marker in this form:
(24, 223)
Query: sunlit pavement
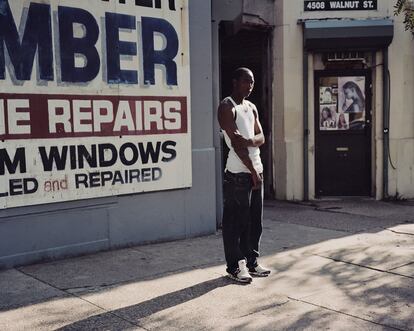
(337, 265)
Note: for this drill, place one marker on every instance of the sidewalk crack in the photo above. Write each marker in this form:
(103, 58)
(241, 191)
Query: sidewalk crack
(104, 310)
(364, 266)
(401, 266)
(267, 307)
(400, 232)
(345, 314)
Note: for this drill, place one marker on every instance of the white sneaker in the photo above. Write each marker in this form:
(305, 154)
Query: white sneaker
(241, 274)
(259, 271)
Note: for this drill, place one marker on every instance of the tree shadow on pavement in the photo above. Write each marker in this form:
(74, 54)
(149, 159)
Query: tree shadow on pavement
(354, 281)
(325, 268)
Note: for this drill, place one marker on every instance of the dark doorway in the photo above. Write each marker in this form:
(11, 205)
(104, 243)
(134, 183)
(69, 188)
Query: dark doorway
(251, 49)
(343, 133)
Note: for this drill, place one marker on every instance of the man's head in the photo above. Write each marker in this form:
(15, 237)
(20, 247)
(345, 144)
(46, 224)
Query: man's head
(243, 82)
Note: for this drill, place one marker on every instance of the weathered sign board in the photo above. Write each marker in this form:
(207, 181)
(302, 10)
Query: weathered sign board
(94, 99)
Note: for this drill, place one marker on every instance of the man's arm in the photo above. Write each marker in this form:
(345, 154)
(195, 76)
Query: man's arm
(259, 138)
(239, 143)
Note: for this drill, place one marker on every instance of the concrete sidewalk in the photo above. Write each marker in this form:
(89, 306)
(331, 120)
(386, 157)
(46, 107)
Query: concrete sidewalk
(337, 265)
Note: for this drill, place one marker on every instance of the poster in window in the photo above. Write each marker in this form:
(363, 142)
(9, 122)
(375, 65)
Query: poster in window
(328, 117)
(327, 95)
(342, 122)
(351, 100)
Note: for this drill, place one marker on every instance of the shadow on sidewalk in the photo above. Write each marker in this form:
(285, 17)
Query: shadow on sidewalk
(356, 275)
(149, 307)
(358, 281)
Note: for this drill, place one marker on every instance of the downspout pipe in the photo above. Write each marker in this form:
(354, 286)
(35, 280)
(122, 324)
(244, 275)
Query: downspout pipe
(305, 124)
(386, 122)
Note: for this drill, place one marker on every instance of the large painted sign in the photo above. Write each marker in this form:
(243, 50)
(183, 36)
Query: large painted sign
(94, 99)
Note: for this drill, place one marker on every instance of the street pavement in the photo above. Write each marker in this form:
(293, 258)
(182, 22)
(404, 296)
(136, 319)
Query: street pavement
(339, 264)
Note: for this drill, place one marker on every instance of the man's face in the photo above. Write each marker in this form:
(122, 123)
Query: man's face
(244, 85)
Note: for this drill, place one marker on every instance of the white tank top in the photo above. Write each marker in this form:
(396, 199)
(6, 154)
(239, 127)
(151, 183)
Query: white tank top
(245, 119)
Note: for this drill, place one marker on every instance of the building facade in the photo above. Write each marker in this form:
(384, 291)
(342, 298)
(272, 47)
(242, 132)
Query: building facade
(106, 126)
(335, 82)
(108, 130)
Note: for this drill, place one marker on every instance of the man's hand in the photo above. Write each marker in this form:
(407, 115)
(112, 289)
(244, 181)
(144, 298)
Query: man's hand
(257, 180)
(239, 142)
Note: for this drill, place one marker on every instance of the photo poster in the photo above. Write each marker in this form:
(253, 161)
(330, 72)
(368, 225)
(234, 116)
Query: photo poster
(328, 95)
(328, 105)
(351, 100)
(328, 117)
(342, 103)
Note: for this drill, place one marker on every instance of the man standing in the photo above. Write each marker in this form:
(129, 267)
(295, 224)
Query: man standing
(243, 180)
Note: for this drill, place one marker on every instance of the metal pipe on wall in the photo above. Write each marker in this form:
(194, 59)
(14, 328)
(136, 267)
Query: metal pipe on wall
(386, 122)
(305, 126)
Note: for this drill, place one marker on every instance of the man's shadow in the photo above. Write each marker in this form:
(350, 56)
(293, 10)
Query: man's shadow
(147, 308)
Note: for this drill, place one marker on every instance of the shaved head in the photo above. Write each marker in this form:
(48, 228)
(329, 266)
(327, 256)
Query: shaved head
(239, 72)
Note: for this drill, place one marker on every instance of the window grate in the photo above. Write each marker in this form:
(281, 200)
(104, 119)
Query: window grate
(345, 56)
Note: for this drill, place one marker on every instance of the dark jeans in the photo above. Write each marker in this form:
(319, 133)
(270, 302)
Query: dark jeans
(242, 220)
